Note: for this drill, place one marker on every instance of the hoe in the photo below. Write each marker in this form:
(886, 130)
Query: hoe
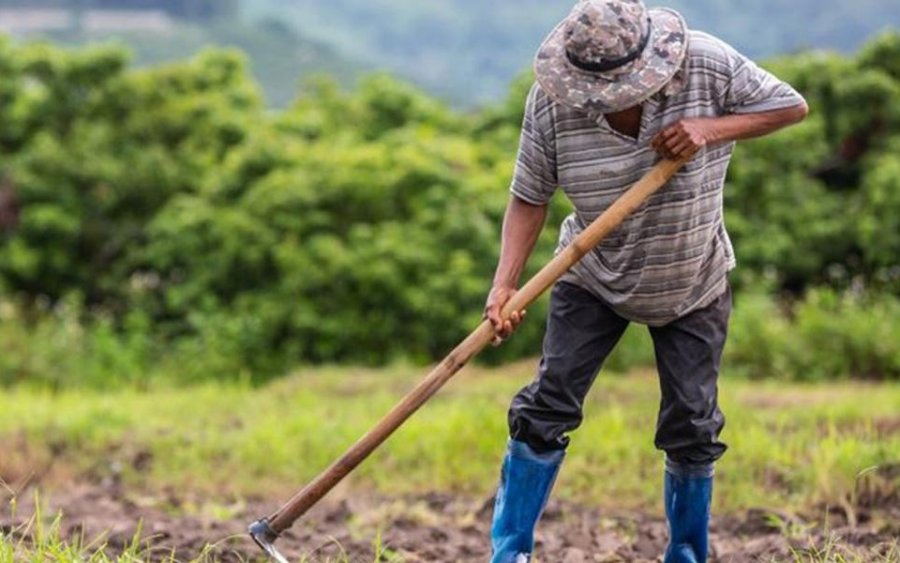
(266, 530)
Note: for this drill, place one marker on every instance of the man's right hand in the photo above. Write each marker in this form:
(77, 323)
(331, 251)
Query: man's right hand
(497, 298)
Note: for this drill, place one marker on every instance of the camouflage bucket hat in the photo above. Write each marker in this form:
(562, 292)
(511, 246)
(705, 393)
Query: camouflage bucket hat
(609, 55)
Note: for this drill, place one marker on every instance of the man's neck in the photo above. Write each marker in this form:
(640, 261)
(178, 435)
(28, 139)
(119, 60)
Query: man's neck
(627, 121)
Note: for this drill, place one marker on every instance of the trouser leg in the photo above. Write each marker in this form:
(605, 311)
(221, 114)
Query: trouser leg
(688, 353)
(581, 332)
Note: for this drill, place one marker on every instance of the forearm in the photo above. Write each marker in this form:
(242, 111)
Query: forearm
(737, 127)
(685, 137)
(522, 225)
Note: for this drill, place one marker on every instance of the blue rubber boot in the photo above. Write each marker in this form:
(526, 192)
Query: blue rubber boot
(688, 493)
(525, 483)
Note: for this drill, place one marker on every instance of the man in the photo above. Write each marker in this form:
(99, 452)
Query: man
(617, 87)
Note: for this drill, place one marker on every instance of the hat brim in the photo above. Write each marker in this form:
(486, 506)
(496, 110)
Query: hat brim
(623, 88)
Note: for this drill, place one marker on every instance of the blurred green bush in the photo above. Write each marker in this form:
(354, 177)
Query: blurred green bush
(170, 224)
(826, 335)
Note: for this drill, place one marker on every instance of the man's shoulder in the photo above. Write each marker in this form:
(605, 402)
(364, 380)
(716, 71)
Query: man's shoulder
(544, 109)
(549, 112)
(539, 99)
(703, 45)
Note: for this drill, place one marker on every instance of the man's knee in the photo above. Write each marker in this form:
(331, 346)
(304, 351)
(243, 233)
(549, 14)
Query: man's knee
(693, 437)
(541, 422)
(581, 332)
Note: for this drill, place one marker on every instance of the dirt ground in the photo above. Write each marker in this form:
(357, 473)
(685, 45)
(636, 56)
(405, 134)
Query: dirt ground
(434, 527)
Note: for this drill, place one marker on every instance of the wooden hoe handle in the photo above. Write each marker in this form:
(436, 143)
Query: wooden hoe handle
(472, 345)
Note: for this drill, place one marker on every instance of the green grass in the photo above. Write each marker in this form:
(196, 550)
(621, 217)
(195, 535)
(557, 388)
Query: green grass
(832, 552)
(46, 543)
(791, 445)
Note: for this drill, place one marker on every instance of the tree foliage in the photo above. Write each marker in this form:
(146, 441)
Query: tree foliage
(364, 226)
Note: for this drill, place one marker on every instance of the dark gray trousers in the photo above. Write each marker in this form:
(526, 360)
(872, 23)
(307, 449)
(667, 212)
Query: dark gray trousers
(582, 331)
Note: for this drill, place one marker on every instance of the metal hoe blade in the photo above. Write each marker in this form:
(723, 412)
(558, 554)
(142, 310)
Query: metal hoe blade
(265, 538)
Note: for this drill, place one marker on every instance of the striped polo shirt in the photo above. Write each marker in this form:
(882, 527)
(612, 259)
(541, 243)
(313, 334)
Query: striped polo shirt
(672, 255)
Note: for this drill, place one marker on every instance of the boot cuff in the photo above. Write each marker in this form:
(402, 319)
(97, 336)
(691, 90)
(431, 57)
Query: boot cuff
(690, 470)
(521, 450)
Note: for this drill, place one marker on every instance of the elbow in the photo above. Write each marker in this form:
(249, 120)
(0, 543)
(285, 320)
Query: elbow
(798, 113)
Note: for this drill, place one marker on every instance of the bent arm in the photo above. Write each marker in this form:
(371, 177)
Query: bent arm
(690, 135)
(740, 126)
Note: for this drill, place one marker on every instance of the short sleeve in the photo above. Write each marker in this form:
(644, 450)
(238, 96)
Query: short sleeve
(534, 178)
(751, 89)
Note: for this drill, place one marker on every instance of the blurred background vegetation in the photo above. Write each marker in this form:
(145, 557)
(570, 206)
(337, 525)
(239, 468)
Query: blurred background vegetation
(165, 223)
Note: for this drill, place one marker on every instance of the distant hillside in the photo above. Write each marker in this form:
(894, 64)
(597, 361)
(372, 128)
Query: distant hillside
(167, 30)
(466, 51)
(280, 57)
(469, 50)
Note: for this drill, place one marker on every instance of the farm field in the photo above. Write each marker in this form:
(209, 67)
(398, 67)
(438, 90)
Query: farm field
(813, 473)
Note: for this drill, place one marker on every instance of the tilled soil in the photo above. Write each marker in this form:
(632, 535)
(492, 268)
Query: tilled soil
(434, 527)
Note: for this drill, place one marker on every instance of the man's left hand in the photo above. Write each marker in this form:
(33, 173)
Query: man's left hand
(682, 139)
